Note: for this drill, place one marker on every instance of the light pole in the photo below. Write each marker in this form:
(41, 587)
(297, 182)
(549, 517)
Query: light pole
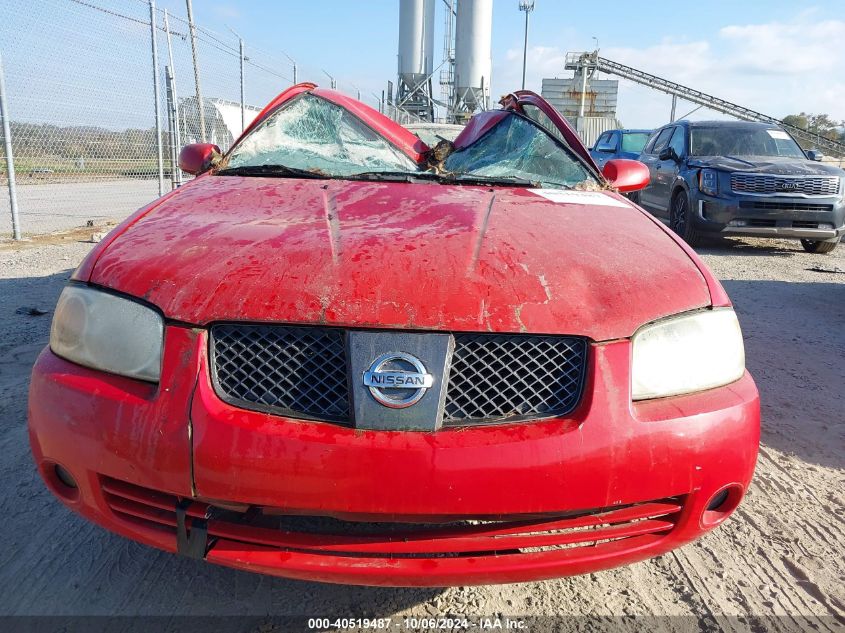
(528, 7)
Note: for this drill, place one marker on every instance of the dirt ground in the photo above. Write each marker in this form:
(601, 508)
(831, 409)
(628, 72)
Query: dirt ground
(780, 557)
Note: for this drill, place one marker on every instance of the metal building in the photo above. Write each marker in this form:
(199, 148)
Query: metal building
(473, 57)
(588, 103)
(416, 58)
(222, 120)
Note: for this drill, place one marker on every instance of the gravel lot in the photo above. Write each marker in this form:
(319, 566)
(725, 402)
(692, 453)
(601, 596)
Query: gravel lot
(780, 557)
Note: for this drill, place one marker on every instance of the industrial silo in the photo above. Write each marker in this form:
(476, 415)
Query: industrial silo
(473, 55)
(416, 57)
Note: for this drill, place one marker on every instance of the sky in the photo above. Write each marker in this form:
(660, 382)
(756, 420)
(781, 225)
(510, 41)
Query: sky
(88, 61)
(778, 57)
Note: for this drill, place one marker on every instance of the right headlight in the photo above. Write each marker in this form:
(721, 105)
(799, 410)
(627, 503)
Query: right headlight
(106, 332)
(686, 353)
(708, 182)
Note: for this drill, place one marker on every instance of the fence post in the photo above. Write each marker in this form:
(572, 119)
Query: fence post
(172, 125)
(200, 104)
(156, 97)
(10, 159)
(175, 172)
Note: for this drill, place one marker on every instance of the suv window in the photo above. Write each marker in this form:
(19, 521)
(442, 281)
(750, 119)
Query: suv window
(607, 143)
(677, 142)
(661, 141)
(634, 141)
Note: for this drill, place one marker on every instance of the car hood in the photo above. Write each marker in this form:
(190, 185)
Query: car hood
(397, 255)
(767, 165)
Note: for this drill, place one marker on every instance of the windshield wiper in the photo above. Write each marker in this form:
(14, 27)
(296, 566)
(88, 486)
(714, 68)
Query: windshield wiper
(392, 176)
(278, 171)
(474, 179)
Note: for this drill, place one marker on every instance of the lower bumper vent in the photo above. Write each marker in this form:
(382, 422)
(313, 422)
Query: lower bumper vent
(146, 510)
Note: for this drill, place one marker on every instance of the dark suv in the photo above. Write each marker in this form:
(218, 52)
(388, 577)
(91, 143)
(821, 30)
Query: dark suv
(741, 178)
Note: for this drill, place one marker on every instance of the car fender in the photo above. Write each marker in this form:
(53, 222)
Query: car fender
(680, 182)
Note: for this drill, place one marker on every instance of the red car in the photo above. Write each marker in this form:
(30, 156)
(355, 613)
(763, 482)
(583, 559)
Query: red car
(338, 355)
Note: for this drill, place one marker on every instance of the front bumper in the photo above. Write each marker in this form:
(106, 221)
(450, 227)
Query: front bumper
(790, 216)
(615, 482)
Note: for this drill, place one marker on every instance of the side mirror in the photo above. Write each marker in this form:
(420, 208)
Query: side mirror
(668, 153)
(814, 154)
(198, 157)
(625, 175)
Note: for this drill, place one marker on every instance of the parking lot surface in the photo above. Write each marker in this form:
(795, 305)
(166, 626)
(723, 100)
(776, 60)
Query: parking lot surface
(46, 207)
(780, 556)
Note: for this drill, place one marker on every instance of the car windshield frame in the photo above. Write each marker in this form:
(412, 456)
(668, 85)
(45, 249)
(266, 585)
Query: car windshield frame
(732, 136)
(589, 172)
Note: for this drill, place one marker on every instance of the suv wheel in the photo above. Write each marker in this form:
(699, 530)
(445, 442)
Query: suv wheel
(681, 217)
(819, 246)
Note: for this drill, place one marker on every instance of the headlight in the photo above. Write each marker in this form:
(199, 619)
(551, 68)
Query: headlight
(105, 332)
(687, 353)
(708, 182)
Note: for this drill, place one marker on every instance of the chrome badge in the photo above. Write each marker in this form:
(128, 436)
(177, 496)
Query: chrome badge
(397, 380)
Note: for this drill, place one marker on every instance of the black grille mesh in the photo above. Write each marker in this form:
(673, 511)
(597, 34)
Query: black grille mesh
(302, 372)
(767, 183)
(298, 371)
(497, 377)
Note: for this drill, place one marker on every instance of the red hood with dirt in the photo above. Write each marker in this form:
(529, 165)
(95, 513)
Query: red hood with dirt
(397, 255)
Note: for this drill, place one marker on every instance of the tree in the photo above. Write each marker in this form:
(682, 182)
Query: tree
(817, 124)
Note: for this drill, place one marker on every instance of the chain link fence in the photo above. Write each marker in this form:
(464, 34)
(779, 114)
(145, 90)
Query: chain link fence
(80, 104)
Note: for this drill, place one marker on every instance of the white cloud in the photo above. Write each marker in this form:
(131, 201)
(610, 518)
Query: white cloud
(777, 68)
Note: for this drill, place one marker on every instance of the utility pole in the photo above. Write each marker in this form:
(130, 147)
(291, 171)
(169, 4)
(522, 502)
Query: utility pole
(241, 52)
(674, 107)
(293, 63)
(528, 7)
(200, 104)
(156, 97)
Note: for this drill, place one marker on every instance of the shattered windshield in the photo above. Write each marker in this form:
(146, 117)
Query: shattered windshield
(314, 135)
(311, 137)
(517, 148)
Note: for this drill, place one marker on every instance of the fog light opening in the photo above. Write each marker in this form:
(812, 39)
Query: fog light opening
(65, 477)
(60, 481)
(721, 505)
(717, 500)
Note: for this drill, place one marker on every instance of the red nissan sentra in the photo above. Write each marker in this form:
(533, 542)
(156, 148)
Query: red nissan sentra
(339, 355)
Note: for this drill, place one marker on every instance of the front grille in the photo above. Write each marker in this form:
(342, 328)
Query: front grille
(294, 371)
(503, 377)
(762, 205)
(303, 372)
(146, 511)
(766, 183)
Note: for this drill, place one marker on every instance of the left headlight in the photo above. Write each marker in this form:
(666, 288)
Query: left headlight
(687, 353)
(106, 332)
